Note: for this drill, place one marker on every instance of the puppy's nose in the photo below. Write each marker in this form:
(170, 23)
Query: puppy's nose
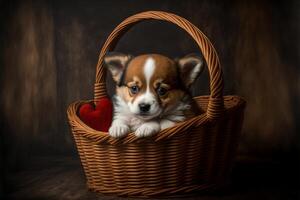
(144, 107)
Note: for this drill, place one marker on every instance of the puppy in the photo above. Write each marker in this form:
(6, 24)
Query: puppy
(151, 92)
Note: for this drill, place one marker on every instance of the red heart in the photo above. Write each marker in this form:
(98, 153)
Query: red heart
(98, 118)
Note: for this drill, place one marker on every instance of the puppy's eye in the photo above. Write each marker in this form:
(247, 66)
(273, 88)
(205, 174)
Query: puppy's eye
(134, 89)
(161, 91)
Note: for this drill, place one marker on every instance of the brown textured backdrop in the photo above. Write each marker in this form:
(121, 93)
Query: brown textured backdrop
(49, 51)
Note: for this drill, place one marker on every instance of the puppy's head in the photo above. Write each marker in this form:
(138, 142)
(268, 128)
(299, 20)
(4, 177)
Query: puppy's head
(152, 84)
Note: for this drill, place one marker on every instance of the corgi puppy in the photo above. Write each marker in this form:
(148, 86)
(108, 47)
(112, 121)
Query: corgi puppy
(151, 92)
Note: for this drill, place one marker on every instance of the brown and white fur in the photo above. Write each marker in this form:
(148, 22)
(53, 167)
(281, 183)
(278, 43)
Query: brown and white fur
(151, 92)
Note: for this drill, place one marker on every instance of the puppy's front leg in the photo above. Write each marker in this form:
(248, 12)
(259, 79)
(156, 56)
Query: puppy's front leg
(165, 123)
(147, 129)
(119, 128)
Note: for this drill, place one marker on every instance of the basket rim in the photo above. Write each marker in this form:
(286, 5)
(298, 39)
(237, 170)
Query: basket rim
(104, 137)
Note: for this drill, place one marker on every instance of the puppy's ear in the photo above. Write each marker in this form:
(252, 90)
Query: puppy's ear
(190, 67)
(115, 63)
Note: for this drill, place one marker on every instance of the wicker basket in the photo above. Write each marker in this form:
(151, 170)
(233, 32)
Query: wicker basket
(195, 155)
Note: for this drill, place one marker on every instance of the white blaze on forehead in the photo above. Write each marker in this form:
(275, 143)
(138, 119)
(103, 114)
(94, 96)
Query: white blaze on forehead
(149, 69)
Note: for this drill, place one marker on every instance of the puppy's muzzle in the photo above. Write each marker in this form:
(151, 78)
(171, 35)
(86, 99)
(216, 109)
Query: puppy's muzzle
(144, 108)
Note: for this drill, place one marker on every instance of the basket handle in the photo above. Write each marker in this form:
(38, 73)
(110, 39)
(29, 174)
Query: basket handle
(215, 105)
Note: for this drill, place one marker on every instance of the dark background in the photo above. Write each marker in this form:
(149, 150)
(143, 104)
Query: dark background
(49, 50)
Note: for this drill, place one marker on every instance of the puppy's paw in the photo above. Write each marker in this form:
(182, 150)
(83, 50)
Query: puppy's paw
(118, 130)
(147, 130)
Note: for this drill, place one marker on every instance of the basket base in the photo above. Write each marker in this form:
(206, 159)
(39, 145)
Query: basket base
(195, 156)
(187, 191)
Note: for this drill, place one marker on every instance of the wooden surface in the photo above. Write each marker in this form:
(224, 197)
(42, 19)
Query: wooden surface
(62, 178)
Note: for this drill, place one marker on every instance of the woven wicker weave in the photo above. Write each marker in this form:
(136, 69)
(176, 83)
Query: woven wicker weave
(194, 155)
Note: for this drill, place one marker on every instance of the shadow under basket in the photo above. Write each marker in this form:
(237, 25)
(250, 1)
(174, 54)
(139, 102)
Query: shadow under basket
(194, 155)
